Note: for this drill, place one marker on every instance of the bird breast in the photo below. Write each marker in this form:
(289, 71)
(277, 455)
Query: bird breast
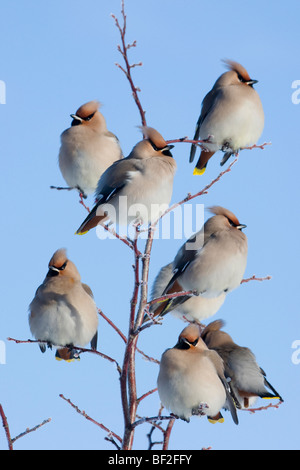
(236, 117)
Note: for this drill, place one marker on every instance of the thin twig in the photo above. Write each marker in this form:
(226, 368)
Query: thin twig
(146, 395)
(127, 70)
(111, 323)
(261, 408)
(262, 146)
(6, 428)
(85, 415)
(254, 278)
(62, 188)
(78, 348)
(31, 430)
(189, 197)
(153, 419)
(190, 293)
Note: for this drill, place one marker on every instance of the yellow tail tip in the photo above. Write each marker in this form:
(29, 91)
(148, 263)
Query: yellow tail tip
(68, 360)
(81, 233)
(199, 172)
(214, 421)
(271, 398)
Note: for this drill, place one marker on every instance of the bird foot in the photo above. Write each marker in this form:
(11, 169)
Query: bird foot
(200, 410)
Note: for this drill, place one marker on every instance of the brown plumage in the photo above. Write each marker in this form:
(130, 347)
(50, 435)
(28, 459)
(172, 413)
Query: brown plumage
(87, 149)
(231, 116)
(191, 379)
(63, 311)
(144, 178)
(212, 262)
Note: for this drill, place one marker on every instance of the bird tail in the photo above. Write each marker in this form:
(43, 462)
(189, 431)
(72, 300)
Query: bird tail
(91, 221)
(270, 395)
(194, 146)
(202, 162)
(67, 354)
(216, 419)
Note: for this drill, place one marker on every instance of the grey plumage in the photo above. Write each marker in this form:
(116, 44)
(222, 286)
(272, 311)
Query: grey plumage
(191, 379)
(247, 378)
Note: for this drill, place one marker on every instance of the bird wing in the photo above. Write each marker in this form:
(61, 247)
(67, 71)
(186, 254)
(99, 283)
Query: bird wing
(113, 180)
(116, 177)
(207, 104)
(231, 399)
(185, 256)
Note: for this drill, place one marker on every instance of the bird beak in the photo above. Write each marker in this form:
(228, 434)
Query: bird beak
(252, 82)
(166, 150)
(74, 116)
(241, 226)
(76, 120)
(52, 271)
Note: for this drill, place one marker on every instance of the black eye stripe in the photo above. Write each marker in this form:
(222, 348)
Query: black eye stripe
(154, 146)
(63, 266)
(88, 118)
(232, 223)
(165, 151)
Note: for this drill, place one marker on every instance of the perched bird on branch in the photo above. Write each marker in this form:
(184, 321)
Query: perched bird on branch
(189, 307)
(211, 263)
(231, 118)
(137, 188)
(87, 149)
(63, 311)
(248, 381)
(191, 379)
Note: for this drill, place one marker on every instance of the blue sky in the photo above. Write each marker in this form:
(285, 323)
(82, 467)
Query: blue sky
(54, 57)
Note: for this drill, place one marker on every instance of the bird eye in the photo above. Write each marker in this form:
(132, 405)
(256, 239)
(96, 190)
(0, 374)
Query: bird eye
(232, 223)
(63, 266)
(153, 145)
(88, 118)
(241, 79)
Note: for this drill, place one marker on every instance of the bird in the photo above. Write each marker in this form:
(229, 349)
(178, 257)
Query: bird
(231, 118)
(191, 379)
(189, 307)
(63, 312)
(87, 149)
(247, 379)
(137, 188)
(211, 262)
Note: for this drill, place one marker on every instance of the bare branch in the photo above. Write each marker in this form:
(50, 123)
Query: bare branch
(10, 440)
(31, 430)
(78, 348)
(189, 197)
(83, 413)
(153, 419)
(271, 405)
(6, 428)
(127, 70)
(254, 278)
(262, 146)
(146, 395)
